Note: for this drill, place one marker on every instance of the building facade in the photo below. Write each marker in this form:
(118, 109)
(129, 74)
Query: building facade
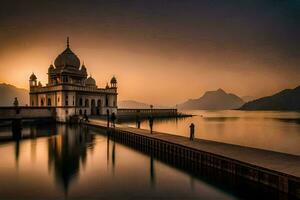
(70, 91)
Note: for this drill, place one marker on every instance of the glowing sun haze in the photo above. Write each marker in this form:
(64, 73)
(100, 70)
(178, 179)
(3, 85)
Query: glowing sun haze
(162, 52)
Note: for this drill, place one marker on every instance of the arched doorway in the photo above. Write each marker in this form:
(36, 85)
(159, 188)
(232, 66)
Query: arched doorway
(93, 107)
(86, 104)
(99, 104)
(49, 102)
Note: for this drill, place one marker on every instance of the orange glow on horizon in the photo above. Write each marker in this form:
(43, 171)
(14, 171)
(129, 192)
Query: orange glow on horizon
(146, 74)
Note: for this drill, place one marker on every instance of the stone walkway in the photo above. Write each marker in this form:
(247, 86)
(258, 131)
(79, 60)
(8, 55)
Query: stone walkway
(279, 162)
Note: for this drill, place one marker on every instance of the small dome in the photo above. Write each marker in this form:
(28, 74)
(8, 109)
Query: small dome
(113, 80)
(90, 81)
(33, 77)
(67, 58)
(107, 86)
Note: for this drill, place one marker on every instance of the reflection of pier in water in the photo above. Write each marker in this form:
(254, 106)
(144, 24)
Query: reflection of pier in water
(224, 181)
(112, 155)
(67, 151)
(27, 133)
(261, 169)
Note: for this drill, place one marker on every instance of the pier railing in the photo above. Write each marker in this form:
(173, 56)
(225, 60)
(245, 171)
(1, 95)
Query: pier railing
(128, 112)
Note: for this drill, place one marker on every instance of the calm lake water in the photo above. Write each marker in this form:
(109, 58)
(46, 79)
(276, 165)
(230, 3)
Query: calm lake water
(276, 131)
(72, 162)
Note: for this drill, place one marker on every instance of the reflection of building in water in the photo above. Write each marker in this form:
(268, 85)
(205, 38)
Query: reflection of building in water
(113, 157)
(70, 91)
(67, 151)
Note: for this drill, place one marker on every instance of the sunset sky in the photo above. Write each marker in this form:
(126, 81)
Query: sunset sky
(161, 51)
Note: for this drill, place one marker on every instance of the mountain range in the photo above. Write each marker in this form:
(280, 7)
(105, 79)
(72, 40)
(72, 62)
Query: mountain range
(214, 100)
(9, 92)
(288, 99)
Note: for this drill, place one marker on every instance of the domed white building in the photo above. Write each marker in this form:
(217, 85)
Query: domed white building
(70, 91)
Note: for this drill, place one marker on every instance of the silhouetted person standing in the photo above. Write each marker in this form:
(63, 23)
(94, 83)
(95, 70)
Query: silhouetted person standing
(192, 131)
(138, 121)
(16, 102)
(151, 123)
(113, 119)
(86, 117)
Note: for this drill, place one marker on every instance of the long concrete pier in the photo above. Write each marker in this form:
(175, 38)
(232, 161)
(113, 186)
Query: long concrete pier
(129, 114)
(276, 170)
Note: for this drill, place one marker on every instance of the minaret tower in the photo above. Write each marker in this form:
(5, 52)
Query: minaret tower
(32, 80)
(113, 82)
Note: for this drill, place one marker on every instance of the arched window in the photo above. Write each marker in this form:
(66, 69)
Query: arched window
(42, 102)
(80, 102)
(99, 103)
(93, 103)
(49, 102)
(106, 101)
(66, 101)
(86, 103)
(80, 112)
(65, 79)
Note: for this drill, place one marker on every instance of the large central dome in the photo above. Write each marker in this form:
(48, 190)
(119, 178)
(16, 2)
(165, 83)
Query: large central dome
(67, 58)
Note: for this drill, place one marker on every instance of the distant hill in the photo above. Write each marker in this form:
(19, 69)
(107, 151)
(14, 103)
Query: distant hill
(136, 104)
(214, 100)
(248, 98)
(9, 92)
(288, 99)
(132, 104)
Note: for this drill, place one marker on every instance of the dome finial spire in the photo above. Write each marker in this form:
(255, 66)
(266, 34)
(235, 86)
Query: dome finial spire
(68, 42)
